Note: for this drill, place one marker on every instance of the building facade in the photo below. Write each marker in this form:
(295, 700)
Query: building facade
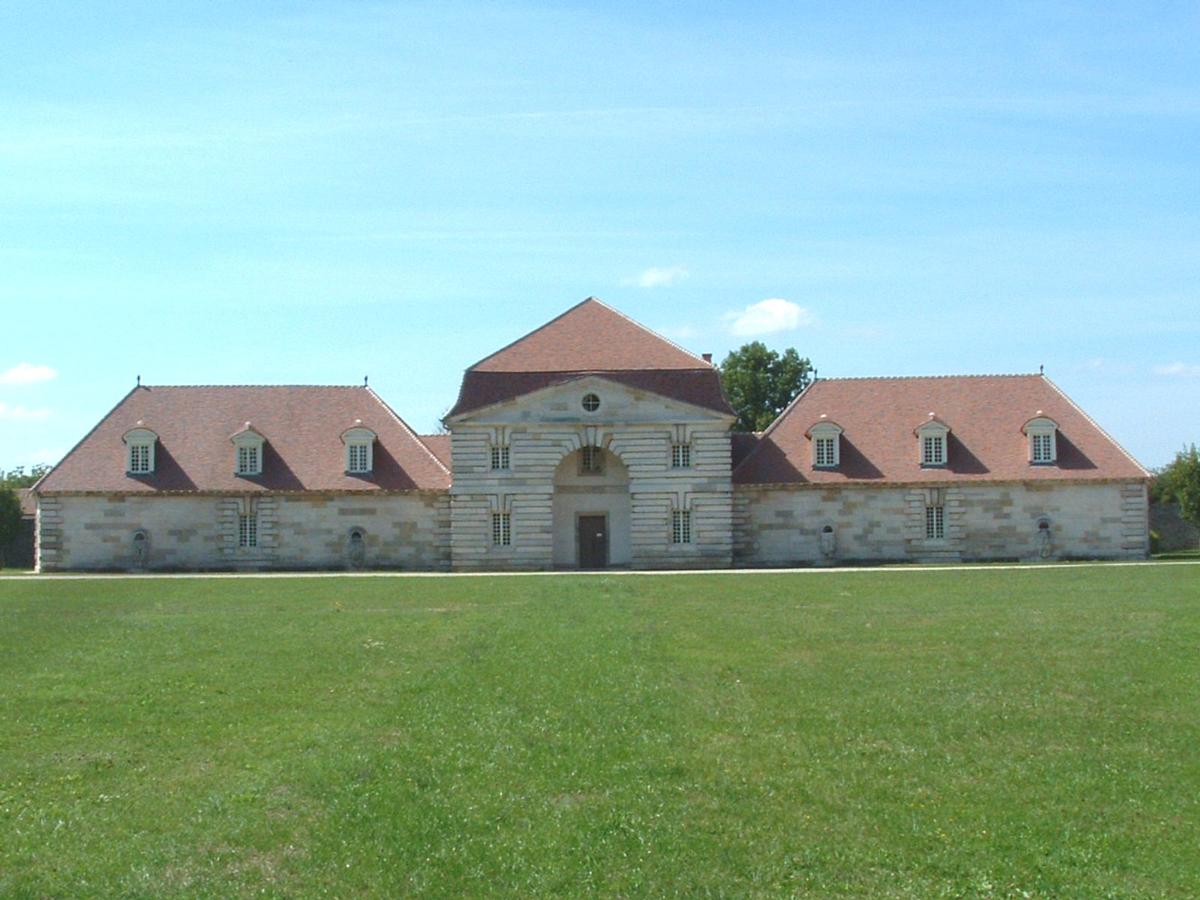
(592, 443)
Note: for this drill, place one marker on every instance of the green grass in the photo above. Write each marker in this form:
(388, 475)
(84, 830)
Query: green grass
(903, 734)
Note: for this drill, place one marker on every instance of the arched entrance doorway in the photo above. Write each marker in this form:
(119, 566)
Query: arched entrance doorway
(591, 510)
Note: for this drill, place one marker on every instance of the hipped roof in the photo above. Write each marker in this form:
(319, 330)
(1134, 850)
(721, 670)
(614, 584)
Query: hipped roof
(302, 426)
(985, 414)
(591, 338)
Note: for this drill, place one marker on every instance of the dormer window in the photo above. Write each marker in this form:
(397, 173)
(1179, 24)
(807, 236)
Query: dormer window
(360, 449)
(1042, 432)
(826, 437)
(932, 438)
(139, 450)
(248, 444)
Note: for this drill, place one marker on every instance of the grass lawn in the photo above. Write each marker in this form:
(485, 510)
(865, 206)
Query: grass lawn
(907, 734)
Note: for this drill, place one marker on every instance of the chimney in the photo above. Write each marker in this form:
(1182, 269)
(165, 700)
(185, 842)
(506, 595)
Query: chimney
(707, 357)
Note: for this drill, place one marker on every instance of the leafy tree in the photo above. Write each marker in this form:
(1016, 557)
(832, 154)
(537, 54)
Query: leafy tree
(760, 383)
(10, 519)
(1179, 482)
(19, 478)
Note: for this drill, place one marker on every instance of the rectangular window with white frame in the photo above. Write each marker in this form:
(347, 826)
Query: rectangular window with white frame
(248, 530)
(249, 460)
(681, 526)
(933, 450)
(935, 523)
(1043, 448)
(139, 459)
(681, 456)
(358, 458)
(501, 529)
(825, 452)
(500, 458)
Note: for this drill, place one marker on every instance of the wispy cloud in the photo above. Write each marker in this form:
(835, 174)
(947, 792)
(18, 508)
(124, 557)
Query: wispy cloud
(21, 413)
(1179, 370)
(767, 317)
(658, 276)
(27, 373)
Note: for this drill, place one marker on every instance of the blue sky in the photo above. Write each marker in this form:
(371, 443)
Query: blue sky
(308, 193)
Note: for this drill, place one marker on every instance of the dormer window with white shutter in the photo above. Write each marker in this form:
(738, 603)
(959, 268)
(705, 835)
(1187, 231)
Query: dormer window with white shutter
(932, 441)
(248, 450)
(360, 449)
(1042, 432)
(139, 450)
(826, 437)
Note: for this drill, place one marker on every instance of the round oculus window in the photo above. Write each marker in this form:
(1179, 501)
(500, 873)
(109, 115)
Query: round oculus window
(591, 402)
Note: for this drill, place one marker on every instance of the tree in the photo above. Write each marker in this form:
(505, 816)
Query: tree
(10, 519)
(760, 383)
(19, 478)
(1179, 482)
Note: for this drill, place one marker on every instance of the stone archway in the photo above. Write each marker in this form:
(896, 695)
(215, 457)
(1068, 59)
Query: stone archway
(591, 492)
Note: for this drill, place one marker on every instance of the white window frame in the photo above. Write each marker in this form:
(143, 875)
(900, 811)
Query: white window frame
(501, 458)
(247, 530)
(933, 445)
(249, 459)
(935, 522)
(360, 449)
(139, 451)
(1042, 433)
(501, 529)
(681, 526)
(826, 439)
(248, 452)
(681, 456)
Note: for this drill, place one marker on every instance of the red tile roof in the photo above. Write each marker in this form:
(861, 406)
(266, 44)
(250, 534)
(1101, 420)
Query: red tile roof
(591, 338)
(985, 414)
(28, 502)
(439, 446)
(303, 451)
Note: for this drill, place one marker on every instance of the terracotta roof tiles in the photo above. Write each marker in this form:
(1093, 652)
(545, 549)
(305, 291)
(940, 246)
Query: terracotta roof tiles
(985, 414)
(302, 426)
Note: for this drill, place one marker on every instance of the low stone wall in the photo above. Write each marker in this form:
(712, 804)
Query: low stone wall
(782, 526)
(88, 532)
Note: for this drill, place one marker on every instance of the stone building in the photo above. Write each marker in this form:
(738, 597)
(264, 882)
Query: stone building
(590, 443)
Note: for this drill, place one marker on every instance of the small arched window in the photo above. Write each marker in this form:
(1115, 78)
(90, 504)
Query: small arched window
(141, 547)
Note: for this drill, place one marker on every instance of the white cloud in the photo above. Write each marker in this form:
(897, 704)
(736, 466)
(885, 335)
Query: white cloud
(22, 413)
(1185, 370)
(27, 373)
(658, 276)
(767, 317)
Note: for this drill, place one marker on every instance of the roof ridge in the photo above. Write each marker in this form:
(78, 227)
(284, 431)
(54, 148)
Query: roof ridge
(406, 427)
(79, 443)
(929, 377)
(1129, 456)
(327, 386)
(702, 363)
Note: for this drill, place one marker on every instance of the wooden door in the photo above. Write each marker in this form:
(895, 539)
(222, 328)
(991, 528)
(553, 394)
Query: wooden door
(593, 542)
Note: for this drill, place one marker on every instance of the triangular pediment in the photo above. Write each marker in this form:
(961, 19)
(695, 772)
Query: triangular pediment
(590, 399)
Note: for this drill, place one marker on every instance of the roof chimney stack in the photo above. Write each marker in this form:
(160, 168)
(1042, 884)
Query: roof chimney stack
(707, 357)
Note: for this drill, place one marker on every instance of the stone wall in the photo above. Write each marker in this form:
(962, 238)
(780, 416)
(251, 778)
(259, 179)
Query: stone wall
(782, 526)
(79, 532)
(639, 429)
